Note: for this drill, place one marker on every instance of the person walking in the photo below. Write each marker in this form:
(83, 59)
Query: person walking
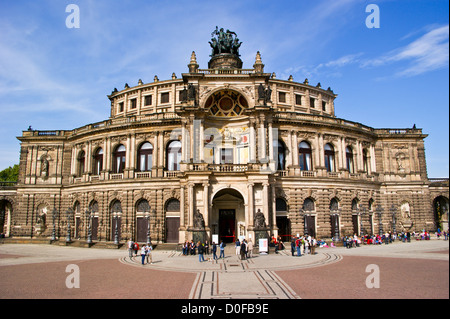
(237, 246)
(200, 250)
(214, 250)
(298, 245)
(143, 253)
(130, 248)
(243, 247)
(313, 246)
(222, 249)
(149, 253)
(136, 248)
(250, 249)
(292, 246)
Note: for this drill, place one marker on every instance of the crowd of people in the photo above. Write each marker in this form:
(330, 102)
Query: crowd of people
(389, 237)
(302, 245)
(145, 251)
(244, 249)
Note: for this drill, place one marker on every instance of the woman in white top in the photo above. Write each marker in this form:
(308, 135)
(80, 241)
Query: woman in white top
(143, 253)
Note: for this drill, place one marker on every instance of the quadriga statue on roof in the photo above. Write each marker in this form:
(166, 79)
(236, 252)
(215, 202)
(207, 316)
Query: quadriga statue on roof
(224, 43)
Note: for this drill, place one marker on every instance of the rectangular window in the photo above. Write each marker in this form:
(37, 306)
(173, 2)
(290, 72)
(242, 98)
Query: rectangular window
(298, 99)
(133, 103)
(120, 110)
(312, 102)
(324, 106)
(148, 100)
(226, 156)
(165, 97)
(282, 97)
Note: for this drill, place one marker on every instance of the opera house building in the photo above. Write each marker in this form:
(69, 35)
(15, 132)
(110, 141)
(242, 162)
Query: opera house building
(221, 152)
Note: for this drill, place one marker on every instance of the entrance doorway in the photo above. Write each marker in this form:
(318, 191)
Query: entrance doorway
(284, 228)
(141, 229)
(355, 223)
(172, 226)
(310, 221)
(227, 225)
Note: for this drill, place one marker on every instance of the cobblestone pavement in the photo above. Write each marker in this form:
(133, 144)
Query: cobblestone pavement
(406, 270)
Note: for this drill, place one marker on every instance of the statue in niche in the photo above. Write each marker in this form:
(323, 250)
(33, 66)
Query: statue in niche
(191, 92)
(264, 94)
(188, 94)
(400, 161)
(41, 223)
(260, 220)
(199, 222)
(44, 167)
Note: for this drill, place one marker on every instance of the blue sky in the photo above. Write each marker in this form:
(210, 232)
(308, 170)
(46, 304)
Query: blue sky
(395, 76)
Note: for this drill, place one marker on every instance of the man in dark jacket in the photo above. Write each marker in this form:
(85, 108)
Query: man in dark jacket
(200, 250)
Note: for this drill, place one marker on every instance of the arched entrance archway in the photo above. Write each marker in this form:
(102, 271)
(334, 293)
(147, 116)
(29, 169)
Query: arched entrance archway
(5, 218)
(172, 220)
(440, 207)
(228, 215)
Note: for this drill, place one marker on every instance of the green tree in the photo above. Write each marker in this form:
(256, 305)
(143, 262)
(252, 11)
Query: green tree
(10, 174)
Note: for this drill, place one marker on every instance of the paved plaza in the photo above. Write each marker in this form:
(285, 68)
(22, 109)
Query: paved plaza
(415, 270)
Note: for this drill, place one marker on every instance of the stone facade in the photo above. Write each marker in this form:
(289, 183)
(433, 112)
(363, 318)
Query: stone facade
(223, 144)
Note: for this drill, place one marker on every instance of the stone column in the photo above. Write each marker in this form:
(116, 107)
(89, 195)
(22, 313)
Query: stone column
(191, 204)
(373, 166)
(250, 213)
(183, 142)
(182, 210)
(274, 213)
(250, 205)
(206, 204)
(160, 154)
(266, 201)
(200, 143)
(252, 143)
(262, 141)
(272, 161)
(289, 157)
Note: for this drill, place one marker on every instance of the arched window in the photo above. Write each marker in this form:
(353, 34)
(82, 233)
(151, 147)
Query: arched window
(81, 161)
(281, 205)
(173, 205)
(349, 159)
(329, 158)
(145, 154)
(119, 159)
(280, 150)
(304, 156)
(98, 161)
(308, 205)
(143, 206)
(365, 161)
(334, 205)
(173, 156)
(355, 203)
(370, 204)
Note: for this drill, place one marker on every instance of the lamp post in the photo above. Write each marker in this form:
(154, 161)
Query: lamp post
(153, 217)
(147, 217)
(305, 221)
(89, 226)
(380, 224)
(69, 213)
(54, 213)
(336, 214)
(116, 230)
(361, 213)
(394, 219)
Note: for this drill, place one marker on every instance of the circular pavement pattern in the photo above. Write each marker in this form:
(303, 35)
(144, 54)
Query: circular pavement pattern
(417, 270)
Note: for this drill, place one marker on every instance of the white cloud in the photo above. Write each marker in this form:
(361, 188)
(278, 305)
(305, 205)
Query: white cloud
(429, 52)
